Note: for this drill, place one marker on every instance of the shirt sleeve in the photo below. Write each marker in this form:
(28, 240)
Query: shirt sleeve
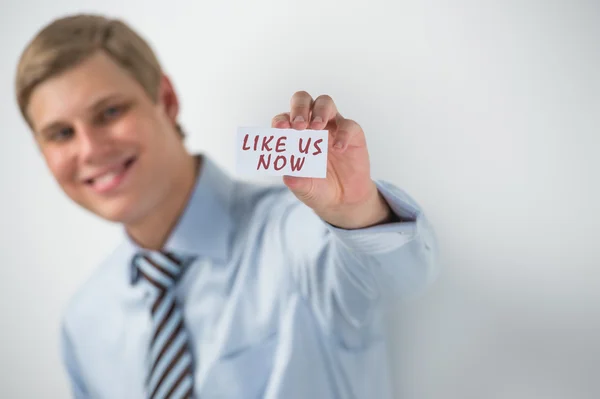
(347, 275)
(71, 365)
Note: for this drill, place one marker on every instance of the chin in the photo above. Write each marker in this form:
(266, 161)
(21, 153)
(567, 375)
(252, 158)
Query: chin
(125, 212)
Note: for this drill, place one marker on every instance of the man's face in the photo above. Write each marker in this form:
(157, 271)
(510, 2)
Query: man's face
(109, 146)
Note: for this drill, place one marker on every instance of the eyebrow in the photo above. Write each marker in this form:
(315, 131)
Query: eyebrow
(94, 107)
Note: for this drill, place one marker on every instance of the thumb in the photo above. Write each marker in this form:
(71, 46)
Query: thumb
(302, 187)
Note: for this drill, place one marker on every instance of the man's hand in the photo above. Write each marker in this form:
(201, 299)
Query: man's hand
(347, 198)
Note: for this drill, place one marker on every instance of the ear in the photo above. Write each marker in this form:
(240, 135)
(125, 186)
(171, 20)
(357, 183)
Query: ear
(168, 98)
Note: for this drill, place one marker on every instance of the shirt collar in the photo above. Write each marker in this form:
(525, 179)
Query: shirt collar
(205, 225)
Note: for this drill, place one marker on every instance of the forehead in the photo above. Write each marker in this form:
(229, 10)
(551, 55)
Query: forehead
(72, 92)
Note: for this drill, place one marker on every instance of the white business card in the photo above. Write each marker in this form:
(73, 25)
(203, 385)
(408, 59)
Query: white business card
(278, 152)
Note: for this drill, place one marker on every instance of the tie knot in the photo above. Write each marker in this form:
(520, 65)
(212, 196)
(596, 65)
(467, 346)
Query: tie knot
(161, 269)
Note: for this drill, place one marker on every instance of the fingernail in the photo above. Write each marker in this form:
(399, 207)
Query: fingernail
(299, 118)
(338, 144)
(317, 119)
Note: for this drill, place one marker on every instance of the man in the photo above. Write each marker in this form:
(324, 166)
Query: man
(220, 289)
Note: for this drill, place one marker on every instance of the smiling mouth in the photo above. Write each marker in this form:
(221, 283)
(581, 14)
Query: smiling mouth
(111, 180)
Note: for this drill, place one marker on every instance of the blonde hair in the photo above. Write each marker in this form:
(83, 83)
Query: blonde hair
(68, 41)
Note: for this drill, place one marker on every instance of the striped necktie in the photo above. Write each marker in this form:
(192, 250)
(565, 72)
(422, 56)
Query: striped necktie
(171, 363)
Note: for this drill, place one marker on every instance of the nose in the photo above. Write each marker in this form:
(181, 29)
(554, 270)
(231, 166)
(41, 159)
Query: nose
(95, 144)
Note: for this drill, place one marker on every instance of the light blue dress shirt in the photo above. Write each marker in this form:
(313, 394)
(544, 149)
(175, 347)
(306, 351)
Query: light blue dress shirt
(279, 304)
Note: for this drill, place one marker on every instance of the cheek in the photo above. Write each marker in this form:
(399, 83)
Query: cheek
(128, 127)
(133, 129)
(62, 166)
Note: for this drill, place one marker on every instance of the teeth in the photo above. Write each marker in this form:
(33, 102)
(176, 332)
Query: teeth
(106, 178)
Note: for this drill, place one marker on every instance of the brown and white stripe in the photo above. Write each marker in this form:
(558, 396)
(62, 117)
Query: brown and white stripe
(171, 363)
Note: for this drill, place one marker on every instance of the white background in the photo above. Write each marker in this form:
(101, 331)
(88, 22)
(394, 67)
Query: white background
(486, 112)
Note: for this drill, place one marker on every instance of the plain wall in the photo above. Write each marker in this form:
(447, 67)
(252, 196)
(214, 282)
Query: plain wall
(486, 112)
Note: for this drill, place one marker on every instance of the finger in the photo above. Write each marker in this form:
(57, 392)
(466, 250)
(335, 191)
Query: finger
(300, 105)
(281, 121)
(323, 110)
(347, 129)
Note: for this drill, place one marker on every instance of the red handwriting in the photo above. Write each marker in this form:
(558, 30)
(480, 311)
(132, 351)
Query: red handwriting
(316, 144)
(280, 143)
(246, 143)
(278, 162)
(265, 143)
(305, 149)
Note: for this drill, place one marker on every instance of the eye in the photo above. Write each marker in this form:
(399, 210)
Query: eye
(112, 112)
(62, 134)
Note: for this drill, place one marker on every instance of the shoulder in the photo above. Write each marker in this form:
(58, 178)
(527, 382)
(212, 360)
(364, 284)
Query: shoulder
(99, 292)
